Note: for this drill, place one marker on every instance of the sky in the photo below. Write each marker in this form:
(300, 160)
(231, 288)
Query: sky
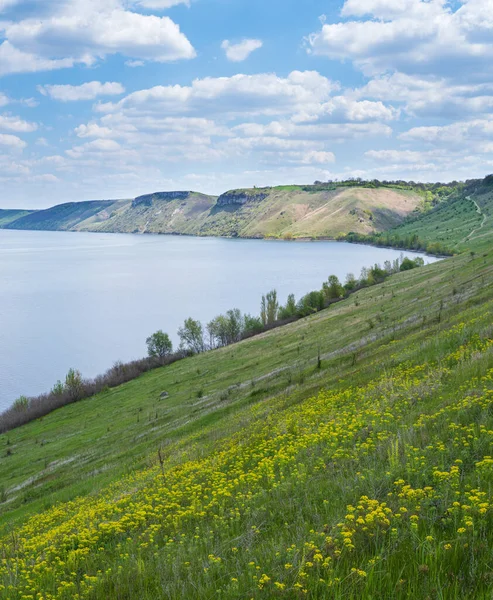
(116, 98)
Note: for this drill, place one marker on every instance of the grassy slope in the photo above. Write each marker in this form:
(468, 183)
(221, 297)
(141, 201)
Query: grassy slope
(8, 216)
(287, 211)
(63, 217)
(256, 464)
(292, 211)
(163, 216)
(466, 221)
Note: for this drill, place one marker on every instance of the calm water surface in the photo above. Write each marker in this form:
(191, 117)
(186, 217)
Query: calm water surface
(86, 300)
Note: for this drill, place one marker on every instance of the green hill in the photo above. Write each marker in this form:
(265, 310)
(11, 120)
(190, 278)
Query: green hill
(269, 474)
(9, 216)
(64, 217)
(288, 211)
(461, 220)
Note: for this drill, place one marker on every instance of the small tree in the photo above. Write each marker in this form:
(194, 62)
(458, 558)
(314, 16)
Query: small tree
(333, 289)
(288, 311)
(272, 307)
(252, 325)
(73, 383)
(263, 311)
(159, 345)
(192, 336)
(58, 388)
(21, 404)
(351, 282)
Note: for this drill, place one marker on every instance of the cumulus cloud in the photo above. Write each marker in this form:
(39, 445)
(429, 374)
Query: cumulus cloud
(16, 124)
(412, 36)
(13, 60)
(264, 118)
(264, 93)
(240, 51)
(475, 134)
(12, 141)
(4, 100)
(161, 4)
(86, 91)
(83, 31)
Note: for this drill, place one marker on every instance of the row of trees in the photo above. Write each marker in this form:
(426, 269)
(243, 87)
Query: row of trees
(234, 326)
(221, 331)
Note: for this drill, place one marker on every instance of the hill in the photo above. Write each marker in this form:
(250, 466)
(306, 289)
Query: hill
(64, 217)
(267, 474)
(461, 220)
(9, 216)
(287, 211)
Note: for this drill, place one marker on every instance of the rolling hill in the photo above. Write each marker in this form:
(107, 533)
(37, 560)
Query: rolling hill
(286, 211)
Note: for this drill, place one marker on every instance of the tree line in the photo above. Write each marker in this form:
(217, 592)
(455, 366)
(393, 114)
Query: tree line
(233, 326)
(195, 338)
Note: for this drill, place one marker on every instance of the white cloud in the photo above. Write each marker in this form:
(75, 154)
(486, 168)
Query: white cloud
(99, 145)
(412, 37)
(86, 91)
(475, 134)
(240, 51)
(46, 178)
(10, 123)
(318, 158)
(161, 4)
(265, 93)
(13, 60)
(83, 31)
(4, 100)
(12, 141)
(134, 63)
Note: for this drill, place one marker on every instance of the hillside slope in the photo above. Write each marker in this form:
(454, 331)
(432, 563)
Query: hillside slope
(263, 476)
(162, 212)
(289, 211)
(464, 221)
(64, 217)
(9, 216)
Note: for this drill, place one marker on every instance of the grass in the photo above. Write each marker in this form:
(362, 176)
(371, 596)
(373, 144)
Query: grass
(278, 479)
(457, 224)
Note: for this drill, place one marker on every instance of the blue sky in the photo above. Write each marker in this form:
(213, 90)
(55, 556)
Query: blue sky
(115, 98)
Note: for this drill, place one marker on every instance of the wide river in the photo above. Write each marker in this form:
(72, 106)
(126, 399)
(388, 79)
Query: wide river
(85, 300)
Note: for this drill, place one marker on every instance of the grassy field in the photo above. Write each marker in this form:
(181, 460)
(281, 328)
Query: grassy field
(264, 476)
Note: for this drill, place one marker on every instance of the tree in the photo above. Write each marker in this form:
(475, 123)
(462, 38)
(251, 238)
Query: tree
(333, 289)
(351, 282)
(58, 388)
(408, 264)
(288, 311)
(73, 383)
(192, 336)
(263, 311)
(272, 307)
(226, 329)
(21, 404)
(252, 325)
(311, 303)
(159, 345)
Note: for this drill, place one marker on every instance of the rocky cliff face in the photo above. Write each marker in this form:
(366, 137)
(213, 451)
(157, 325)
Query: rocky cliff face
(241, 197)
(166, 196)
